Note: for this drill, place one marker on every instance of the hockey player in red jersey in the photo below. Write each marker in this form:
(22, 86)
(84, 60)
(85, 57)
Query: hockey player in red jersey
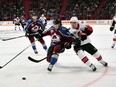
(61, 39)
(112, 27)
(82, 31)
(33, 29)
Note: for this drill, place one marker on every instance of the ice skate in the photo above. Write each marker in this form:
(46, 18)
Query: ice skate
(50, 67)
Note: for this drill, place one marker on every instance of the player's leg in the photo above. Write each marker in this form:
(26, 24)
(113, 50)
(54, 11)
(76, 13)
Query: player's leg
(31, 39)
(56, 50)
(94, 52)
(19, 26)
(15, 26)
(114, 40)
(49, 53)
(41, 41)
(84, 58)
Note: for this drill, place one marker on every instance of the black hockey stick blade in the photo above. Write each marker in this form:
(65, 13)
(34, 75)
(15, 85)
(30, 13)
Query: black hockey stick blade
(13, 38)
(34, 60)
(1, 67)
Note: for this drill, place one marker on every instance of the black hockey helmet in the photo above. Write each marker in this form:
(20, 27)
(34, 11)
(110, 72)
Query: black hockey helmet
(57, 21)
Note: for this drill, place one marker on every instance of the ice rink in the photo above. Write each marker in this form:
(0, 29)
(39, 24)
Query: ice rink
(69, 70)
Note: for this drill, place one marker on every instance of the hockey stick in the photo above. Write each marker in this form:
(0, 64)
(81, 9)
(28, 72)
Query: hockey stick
(16, 56)
(12, 38)
(36, 61)
(17, 37)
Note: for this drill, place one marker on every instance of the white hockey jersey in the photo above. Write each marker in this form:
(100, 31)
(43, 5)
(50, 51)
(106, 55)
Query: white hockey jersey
(16, 21)
(114, 18)
(80, 27)
(43, 19)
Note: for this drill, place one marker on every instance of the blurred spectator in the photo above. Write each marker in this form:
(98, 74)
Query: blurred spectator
(84, 9)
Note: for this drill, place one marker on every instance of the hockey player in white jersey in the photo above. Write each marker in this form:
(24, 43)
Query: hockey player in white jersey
(16, 21)
(44, 20)
(112, 28)
(82, 31)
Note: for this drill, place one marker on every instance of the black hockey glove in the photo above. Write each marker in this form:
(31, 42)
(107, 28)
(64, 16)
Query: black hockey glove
(88, 30)
(83, 36)
(111, 28)
(77, 43)
(67, 45)
(27, 34)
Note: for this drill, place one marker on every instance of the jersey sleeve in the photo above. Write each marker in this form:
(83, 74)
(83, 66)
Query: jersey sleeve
(67, 35)
(49, 31)
(41, 24)
(29, 22)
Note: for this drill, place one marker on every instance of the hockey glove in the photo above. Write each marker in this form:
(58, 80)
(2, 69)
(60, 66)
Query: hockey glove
(83, 36)
(111, 28)
(27, 34)
(67, 45)
(77, 43)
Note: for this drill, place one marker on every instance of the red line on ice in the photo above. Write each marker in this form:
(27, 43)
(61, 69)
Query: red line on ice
(97, 79)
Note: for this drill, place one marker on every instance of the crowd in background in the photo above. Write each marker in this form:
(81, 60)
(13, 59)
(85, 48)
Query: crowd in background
(83, 9)
(11, 9)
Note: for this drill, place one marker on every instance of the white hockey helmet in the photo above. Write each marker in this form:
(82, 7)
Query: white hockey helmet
(74, 19)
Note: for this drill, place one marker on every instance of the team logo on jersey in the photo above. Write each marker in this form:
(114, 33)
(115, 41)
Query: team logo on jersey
(34, 29)
(55, 38)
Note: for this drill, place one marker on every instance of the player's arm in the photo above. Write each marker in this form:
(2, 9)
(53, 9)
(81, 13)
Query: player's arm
(45, 21)
(67, 35)
(71, 39)
(29, 22)
(113, 25)
(41, 24)
(86, 31)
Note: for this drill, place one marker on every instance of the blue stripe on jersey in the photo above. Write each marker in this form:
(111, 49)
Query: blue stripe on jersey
(52, 27)
(65, 32)
(42, 26)
(29, 22)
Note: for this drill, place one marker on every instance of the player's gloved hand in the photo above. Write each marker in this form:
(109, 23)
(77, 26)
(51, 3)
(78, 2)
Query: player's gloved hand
(83, 36)
(27, 34)
(111, 28)
(77, 43)
(67, 45)
(39, 35)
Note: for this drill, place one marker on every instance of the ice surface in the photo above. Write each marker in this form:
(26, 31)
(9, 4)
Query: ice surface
(68, 72)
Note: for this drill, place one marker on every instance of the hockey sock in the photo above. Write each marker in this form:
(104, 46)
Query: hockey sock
(54, 59)
(84, 59)
(33, 47)
(99, 58)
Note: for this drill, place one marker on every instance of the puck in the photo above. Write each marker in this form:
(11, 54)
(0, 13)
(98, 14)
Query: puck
(23, 78)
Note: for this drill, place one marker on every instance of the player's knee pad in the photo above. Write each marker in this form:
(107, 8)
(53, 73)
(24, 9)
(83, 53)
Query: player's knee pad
(81, 54)
(96, 55)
